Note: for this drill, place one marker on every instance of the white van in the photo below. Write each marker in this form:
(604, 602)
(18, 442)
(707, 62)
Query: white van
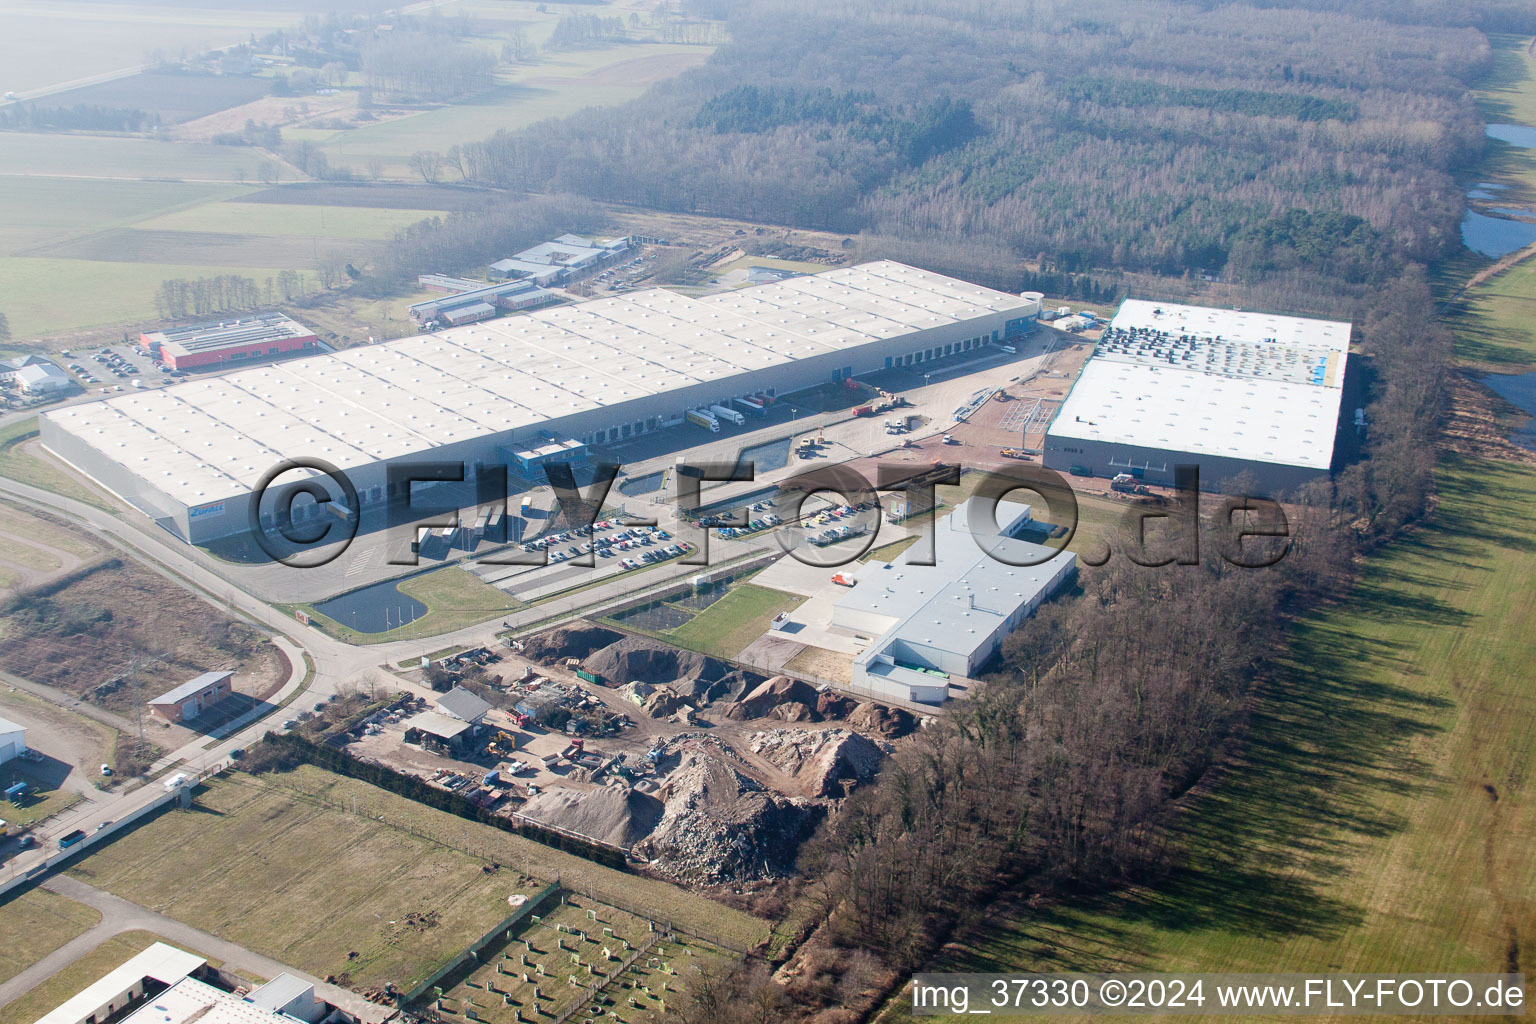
(175, 782)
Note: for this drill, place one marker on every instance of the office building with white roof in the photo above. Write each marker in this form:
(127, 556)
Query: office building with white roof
(599, 371)
(1230, 391)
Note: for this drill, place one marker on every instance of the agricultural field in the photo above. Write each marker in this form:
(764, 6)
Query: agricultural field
(52, 296)
(114, 158)
(173, 97)
(51, 44)
(37, 922)
(297, 220)
(37, 211)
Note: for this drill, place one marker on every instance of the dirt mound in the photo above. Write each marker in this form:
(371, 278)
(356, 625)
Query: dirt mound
(693, 675)
(720, 825)
(770, 694)
(829, 763)
(891, 723)
(610, 814)
(575, 641)
(830, 705)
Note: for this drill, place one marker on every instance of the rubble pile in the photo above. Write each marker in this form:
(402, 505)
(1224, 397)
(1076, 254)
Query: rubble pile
(892, 723)
(773, 693)
(826, 764)
(720, 825)
(664, 703)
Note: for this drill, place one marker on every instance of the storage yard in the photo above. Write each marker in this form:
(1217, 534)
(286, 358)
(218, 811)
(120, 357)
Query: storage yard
(707, 773)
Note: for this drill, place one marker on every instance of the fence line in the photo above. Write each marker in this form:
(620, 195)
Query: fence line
(472, 951)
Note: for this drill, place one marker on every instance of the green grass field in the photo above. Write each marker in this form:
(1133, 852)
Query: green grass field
(734, 621)
(1509, 94)
(555, 85)
(454, 597)
(48, 296)
(1498, 332)
(37, 922)
(42, 801)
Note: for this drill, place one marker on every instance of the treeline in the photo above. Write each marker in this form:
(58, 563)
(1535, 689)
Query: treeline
(918, 134)
(263, 136)
(82, 117)
(577, 30)
(227, 293)
(1108, 133)
(424, 66)
(1131, 92)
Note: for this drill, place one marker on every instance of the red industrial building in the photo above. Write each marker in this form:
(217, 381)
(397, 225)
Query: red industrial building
(229, 342)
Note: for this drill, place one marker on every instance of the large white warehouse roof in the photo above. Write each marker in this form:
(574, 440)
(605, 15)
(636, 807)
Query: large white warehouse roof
(206, 439)
(1251, 386)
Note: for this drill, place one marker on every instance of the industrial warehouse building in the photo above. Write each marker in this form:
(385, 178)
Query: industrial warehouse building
(478, 302)
(248, 338)
(600, 371)
(166, 985)
(1229, 391)
(13, 740)
(937, 623)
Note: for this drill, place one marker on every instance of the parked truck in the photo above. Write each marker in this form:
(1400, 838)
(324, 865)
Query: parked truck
(700, 418)
(752, 406)
(727, 413)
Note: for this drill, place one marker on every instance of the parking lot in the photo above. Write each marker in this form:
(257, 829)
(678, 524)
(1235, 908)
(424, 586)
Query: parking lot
(612, 548)
(119, 368)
